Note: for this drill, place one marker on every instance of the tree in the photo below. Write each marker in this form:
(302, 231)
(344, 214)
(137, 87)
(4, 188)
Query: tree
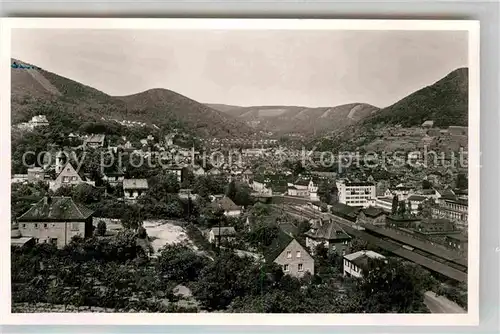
(231, 190)
(242, 196)
(402, 208)
(142, 233)
(462, 181)
(179, 263)
(206, 185)
(393, 286)
(358, 244)
(64, 191)
(86, 194)
(426, 209)
(227, 277)
(162, 185)
(101, 228)
(188, 179)
(133, 218)
(262, 234)
(426, 184)
(395, 204)
(260, 210)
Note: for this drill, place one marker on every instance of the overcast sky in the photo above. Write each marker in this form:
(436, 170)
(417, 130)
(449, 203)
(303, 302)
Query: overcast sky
(304, 68)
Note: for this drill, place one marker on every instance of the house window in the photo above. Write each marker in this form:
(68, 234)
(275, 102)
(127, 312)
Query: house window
(74, 226)
(298, 254)
(36, 225)
(288, 255)
(65, 179)
(24, 225)
(45, 225)
(73, 178)
(53, 241)
(301, 267)
(286, 268)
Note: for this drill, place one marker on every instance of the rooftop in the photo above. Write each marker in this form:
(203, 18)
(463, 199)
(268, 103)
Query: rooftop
(359, 184)
(135, 184)
(223, 231)
(385, 199)
(345, 211)
(458, 201)
(226, 204)
(96, 138)
(289, 228)
(56, 209)
(329, 231)
(428, 263)
(448, 255)
(302, 182)
(362, 258)
(278, 246)
(417, 198)
(458, 237)
(373, 212)
(20, 241)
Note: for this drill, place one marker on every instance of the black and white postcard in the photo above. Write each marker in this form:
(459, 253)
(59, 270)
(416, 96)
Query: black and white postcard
(306, 172)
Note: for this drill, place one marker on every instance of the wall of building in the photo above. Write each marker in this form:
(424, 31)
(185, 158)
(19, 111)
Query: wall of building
(350, 269)
(363, 219)
(356, 195)
(293, 262)
(232, 213)
(339, 248)
(133, 194)
(62, 231)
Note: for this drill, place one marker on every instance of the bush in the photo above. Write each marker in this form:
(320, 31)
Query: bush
(101, 228)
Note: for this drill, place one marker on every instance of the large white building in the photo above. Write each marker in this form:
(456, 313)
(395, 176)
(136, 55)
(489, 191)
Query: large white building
(360, 194)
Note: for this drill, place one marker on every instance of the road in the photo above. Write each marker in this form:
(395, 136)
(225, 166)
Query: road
(441, 304)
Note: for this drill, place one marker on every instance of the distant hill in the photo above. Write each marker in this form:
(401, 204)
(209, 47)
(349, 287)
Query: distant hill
(445, 102)
(301, 120)
(226, 108)
(39, 91)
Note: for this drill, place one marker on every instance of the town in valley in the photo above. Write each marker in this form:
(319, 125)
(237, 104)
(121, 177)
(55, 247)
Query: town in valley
(154, 202)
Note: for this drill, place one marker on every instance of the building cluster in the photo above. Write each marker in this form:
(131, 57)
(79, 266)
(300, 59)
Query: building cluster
(305, 188)
(361, 204)
(35, 122)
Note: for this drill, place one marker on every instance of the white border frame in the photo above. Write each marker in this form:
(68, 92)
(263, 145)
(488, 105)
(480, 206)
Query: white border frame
(469, 319)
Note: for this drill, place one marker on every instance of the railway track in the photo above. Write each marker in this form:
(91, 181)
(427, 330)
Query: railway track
(430, 261)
